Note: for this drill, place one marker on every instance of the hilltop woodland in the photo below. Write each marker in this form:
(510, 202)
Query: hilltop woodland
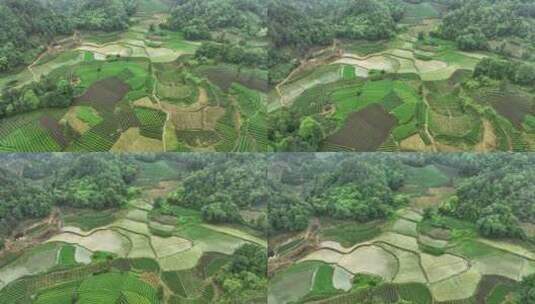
(220, 190)
(88, 181)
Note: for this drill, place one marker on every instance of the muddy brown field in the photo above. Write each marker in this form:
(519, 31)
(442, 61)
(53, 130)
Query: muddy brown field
(55, 129)
(365, 130)
(513, 108)
(105, 93)
(224, 78)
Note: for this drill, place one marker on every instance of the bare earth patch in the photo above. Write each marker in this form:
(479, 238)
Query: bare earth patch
(145, 102)
(364, 130)
(71, 119)
(133, 141)
(434, 197)
(105, 93)
(442, 267)
(101, 240)
(414, 143)
(488, 142)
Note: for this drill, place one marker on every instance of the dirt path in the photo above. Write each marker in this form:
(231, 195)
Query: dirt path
(167, 113)
(202, 99)
(303, 64)
(30, 67)
(488, 142)
(426, 124)
(310, 243)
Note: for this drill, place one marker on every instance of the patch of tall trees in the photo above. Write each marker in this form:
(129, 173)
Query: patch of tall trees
(297, 26)
(498, 198)
(225, 185)
(95, 180)
(526, 292)
(198, 18)
(472, 23)
(232, 53)
(47, 93)
(517, 72)
(360, 188)
(20, 200)
(245, 277)
(292, 134)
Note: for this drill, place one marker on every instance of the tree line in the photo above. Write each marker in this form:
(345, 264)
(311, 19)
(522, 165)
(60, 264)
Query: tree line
(47, 93)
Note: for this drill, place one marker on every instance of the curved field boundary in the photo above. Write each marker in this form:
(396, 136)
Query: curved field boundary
(411, 251)
(507, 251)
(131, 242)
(249, 238)
(107, 228)
(350, 252)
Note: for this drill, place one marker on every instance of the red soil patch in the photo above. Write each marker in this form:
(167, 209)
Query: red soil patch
(365, 130)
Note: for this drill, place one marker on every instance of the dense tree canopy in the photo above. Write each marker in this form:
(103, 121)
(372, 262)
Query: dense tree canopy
(526, 292)
(497, 197)
(473, 22)
(43, 94)
(245, 274)
(94, 180)
(232, 53)
(20, 200)
(519, 73)
(359, 188)
(223, 185)
(199, 16)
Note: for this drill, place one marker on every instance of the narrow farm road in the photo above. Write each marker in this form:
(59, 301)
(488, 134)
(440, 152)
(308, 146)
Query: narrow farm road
(426, 123)
(167, 113)
(30, 67)
(302, 65)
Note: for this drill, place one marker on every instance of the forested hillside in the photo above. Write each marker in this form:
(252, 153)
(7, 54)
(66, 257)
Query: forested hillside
(360, 188)
(474, 23)
(219, 190)
(20, 200)
(90, 181)
(494, 191)
(497, 198)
